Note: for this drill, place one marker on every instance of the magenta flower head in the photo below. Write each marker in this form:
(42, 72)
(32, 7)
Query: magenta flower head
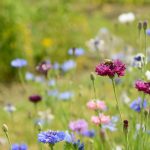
(44, 66)
(143, 86)
(111, 68)
(78, 126)
(35, 98)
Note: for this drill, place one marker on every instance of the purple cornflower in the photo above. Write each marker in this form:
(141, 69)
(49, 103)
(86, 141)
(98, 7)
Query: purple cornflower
(76, 51)
(88, 133)
(35, 98)
(137, 104)
(19, 147)
(111, 68)
(78, 126)
(18, 63)
(143, 86)
(44, 66)
(51, 137)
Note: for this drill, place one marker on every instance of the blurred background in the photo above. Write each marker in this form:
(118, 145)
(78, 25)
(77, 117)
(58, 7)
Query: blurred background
(46, 29)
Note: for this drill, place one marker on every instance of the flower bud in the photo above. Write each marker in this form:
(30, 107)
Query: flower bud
(39, 127)
(145, 25)
(139, 25)
(92, 76)
(5, 128)
(125, 126)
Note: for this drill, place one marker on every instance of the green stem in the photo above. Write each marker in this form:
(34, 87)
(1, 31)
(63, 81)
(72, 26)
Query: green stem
(141, 123)
(51, 146)
(127, 141)
(8, 139)
(94, 89)
(21, 78)
(117, 102)
(145, 48)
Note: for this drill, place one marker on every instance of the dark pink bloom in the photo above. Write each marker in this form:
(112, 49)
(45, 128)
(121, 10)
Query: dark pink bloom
(78, 126)
(143, 86)
(35, 98)
(111, 68)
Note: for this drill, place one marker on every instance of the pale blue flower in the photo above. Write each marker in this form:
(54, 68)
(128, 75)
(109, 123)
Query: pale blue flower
(76, 51)
(29, 76)
(18, 63)
(65, 95)
(68, 65)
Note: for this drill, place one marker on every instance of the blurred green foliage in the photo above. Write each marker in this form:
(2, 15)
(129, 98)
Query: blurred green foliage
(44, 29)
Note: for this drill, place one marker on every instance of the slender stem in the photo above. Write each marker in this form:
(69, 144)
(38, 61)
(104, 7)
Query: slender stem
(94, 89)
(141, 123)
(140, 39)
(51, 146)
(35, 108)
(145, 47)
(127, 141)
(8, 139)
(117, 102)
(21, 78)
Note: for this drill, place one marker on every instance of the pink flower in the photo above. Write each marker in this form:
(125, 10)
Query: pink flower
(96, 105)
(95, 120)
(91, 105)
(111, 68)
(101, 105)
(142, 86)
(78, 126)
(104, 119)
(101, 119)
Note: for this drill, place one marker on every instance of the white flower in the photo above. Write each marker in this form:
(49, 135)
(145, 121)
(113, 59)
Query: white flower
(126, 17)
(10, 108)
(46, 115)
(125, 98)
(147, 74)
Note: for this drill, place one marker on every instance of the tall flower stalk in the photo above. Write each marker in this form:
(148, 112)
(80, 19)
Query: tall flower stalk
(111, 68)
(117, 102)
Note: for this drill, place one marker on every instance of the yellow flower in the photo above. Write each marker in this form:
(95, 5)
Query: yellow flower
(47, 42)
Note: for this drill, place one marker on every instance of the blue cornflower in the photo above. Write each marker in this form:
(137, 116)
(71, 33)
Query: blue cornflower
(65, 95)
(29, 76)
(148, 32)
(52, 82)
(53, 93)
(89, 133)
(18, 63)
(69, 138)
(56, 66)
(76, 51)
(136, 104)
(68, 65)
(78, 145)
(51, 137)
(19, 147)
(138, 60)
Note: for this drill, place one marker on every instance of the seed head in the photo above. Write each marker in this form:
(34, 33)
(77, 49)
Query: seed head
(5, 128)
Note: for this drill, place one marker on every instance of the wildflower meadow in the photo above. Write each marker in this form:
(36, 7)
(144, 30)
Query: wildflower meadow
(75, 75)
